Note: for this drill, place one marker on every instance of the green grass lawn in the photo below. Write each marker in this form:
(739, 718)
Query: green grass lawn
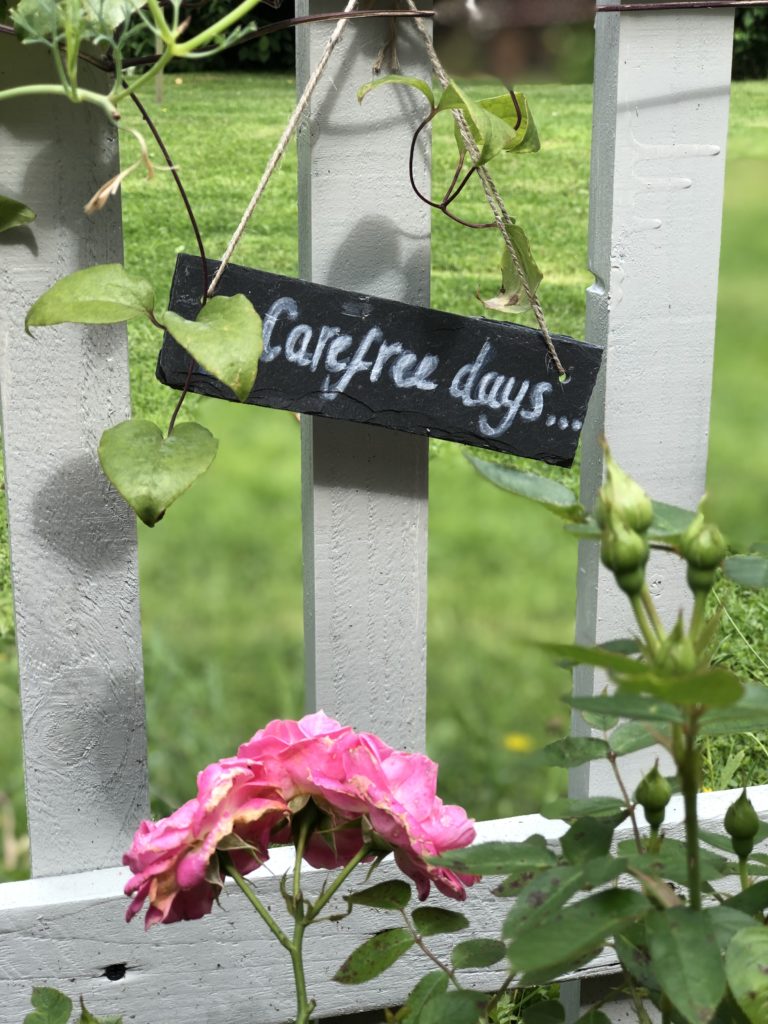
(221, 587)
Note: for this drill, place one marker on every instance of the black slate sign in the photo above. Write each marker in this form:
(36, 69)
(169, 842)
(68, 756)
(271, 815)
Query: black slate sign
(356, 357)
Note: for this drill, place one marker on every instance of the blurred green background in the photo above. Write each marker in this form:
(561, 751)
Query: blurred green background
(221, 575)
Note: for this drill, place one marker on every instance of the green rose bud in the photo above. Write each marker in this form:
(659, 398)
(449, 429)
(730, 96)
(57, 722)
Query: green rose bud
(653, 794)
(703, 547)
(742, 825)
(678, 654)
(625, 553)
(622, 500)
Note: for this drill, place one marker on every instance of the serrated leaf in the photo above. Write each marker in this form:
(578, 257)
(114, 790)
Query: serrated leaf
(594, 807)
(225, 339)
(686, 961)
(106, 294)
(748, 714)
(541, 898)
(512, 297)
(437, 921)
(374, 956)
(670, 862)
(454, 1008)
(50, 1007)
(633, 955)
(753, 900)
(588, 838)
(498, 858)
(477, 953)
(600, 657)
(727, 922)
(632, 736)
(151, 471)
(571, 752)
(548, 1011)
(628, 705)
(575, 932)
(414, 83)
(431, 985)
(669, 521)
(14, 214)
(714, 687)
(749, 571)
(746, 966)
(544, 491)
(394, 895)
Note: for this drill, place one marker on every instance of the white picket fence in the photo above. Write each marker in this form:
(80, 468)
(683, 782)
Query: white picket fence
(660, 126)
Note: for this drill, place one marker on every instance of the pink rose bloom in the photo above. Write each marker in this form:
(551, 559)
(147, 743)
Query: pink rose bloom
(170, 858)
(361, 786)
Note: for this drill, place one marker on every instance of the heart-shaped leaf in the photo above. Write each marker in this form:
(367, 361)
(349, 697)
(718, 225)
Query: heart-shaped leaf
(746, 965)
(519, 138)
(512, 297)
(51, 1007)
(225, 339)
(106, 294)
(13, 214)
(415, 83)
(152, 471)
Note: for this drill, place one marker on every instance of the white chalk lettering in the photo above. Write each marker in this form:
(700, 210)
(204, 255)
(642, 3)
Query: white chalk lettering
(488, 392)
(386, 352)
(464, 380)
(286, 306)
(338, 347)
(326, 334)
(537, 402)
(427, 366)
(357, 364)
(297, 343)
(399, 369)
(512, 406)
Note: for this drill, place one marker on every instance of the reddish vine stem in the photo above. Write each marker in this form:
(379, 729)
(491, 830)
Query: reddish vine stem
(198, 238)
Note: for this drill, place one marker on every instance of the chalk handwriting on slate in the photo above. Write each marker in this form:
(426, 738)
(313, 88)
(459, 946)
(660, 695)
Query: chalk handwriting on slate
(346, 356)
(339, 358)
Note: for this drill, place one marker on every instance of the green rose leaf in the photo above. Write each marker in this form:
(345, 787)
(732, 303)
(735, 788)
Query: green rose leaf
(512, 297)
(594, 1017)
(747, 570)
(151, 471)
(716, 687)
(544, 491)
(437, 921)
(571, 752)
(669, 522)
(431, 985)
(225, 339)
(594, 807)
(631, 736)
(670, 863)
(541, 898)
(746, 966)
(13, 214)
(51, 1007)
(748, 714)
(577, 654)
(498, 858)
(686, 961)
(589, 838)
(577, 931)
(374, 956)
(414, 83)
(627, 705)
(727, 922)
(547, 1012)
(106, 294)
(454, 1008)
(477, 953)
(753, 900)
(394, 895)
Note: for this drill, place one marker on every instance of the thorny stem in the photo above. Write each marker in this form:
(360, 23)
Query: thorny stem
(612, 760)
(259, 907)
(428, 952)
(338, 881)
(303, 1006)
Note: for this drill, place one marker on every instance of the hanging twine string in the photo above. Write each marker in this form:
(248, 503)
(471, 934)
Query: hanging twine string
(495, 202)
(282, 145)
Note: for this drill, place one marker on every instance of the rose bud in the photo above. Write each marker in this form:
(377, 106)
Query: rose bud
(621, 499)
(653, 794)
(742, 825)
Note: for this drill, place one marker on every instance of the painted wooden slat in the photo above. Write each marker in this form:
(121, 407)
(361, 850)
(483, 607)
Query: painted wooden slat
(660, 123)
(227, 968)
(365, 488)
(73, 540)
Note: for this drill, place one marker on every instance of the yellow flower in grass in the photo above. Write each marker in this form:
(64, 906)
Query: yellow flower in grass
(518, 742)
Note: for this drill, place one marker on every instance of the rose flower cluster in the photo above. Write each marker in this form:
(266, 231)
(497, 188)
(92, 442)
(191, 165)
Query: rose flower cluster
(362, 789)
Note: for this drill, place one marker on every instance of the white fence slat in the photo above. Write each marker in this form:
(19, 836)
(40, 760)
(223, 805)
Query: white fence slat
(73, 540)
(662, 87)
(365, 488)
(227, 968)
